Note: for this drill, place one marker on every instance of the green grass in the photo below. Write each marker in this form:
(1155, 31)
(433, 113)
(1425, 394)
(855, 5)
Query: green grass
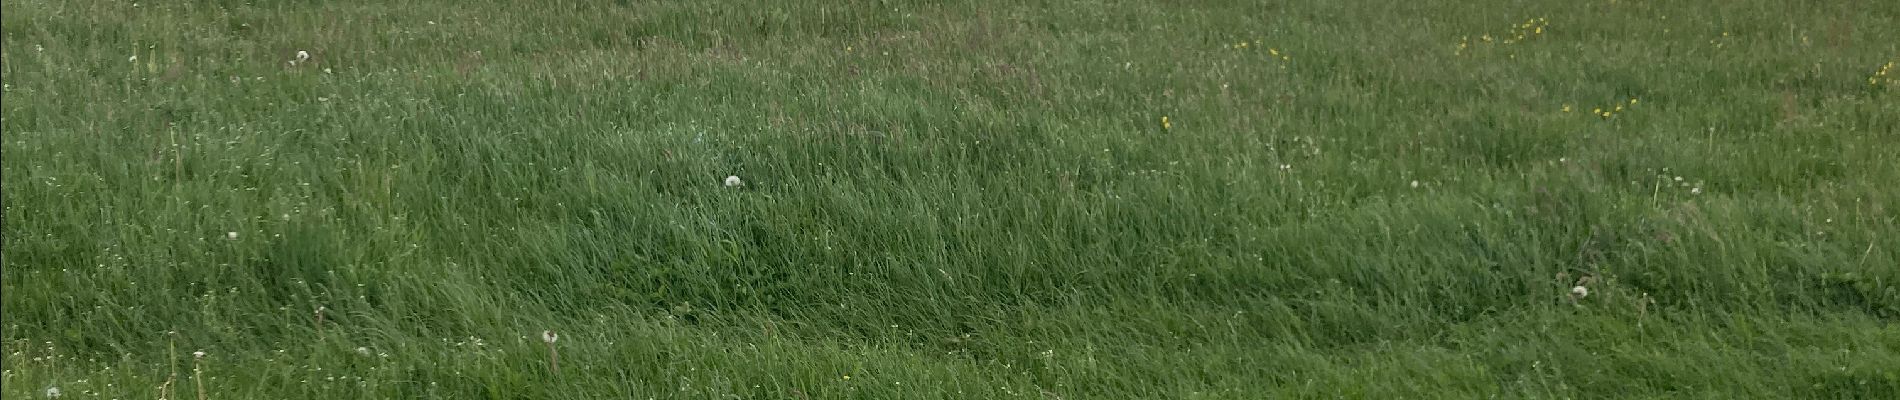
(947, 200)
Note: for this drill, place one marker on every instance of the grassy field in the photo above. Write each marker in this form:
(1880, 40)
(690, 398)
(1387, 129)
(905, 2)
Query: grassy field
(943, 200)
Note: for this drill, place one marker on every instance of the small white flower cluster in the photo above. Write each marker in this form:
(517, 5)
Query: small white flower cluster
(1666, 179)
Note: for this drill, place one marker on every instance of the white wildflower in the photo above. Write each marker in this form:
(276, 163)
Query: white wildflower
(52, 392)
(198, 354)
(734, 181)
(1579, 291)
(301, 57)
(549, 336)
(362, 350)
(230, 235)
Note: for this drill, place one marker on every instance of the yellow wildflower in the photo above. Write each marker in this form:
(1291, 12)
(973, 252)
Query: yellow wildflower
(1566, 108)
(1165, 124)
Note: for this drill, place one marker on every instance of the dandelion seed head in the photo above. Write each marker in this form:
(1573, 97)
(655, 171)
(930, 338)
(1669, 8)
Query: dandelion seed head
(731, 181)
(1579, 291)
(549, 336)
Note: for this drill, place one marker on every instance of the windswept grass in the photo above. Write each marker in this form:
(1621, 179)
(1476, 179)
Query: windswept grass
(1041, 200)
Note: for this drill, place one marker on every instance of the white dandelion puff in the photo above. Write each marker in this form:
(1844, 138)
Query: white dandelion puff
(198, 354)
(52, 392)
(1579, 291)
(231, 235)
(734, 181)
(549, 336)
(1415, 184)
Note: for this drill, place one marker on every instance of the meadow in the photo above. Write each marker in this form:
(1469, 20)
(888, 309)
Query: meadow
(1046, 199)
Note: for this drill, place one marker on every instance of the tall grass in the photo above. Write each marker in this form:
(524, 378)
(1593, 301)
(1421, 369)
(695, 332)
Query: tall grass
(949, 200)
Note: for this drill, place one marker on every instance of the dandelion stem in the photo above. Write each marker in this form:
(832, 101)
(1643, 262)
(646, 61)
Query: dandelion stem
(198, 379)
(554, 359)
